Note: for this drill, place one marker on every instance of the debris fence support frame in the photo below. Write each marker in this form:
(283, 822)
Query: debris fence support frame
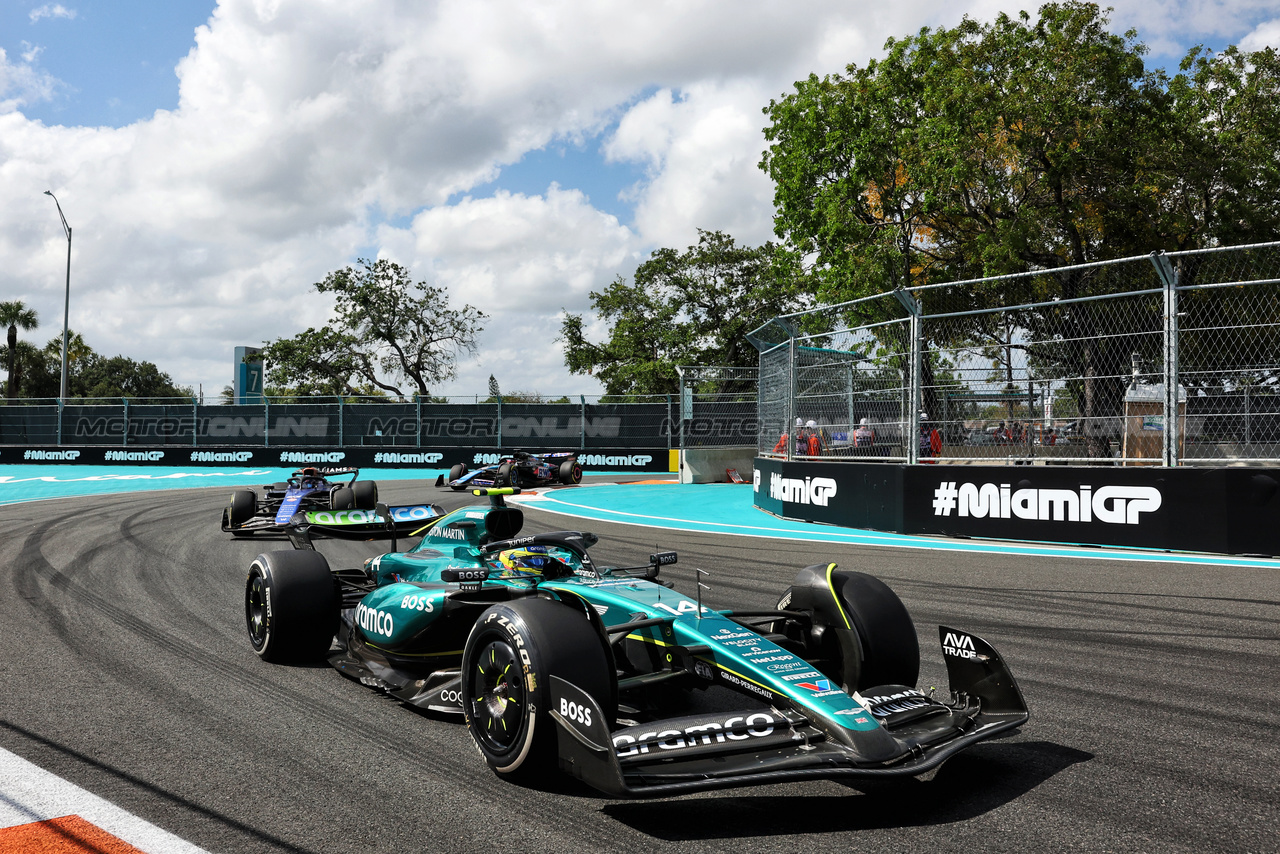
(1164, 359)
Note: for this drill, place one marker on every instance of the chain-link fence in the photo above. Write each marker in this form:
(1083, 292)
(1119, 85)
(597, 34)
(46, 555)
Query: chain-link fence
(717, 407)
(1164, 359)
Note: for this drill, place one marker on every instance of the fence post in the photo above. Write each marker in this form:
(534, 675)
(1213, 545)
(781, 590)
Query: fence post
(1169, 277)
(59, 421)
(124, 440)
(266, 422)
(1248, 407)
(499, 431)
(668, 426)
(418, 432)
(195, 421)
(914, 390)
(582, 432)
(914, 393)
(341, 423)
(848, 392)
(792, 390)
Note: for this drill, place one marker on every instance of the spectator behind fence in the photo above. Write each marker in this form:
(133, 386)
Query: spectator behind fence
(864, 436)
(781, 447)
(930, 440)
(812, 442)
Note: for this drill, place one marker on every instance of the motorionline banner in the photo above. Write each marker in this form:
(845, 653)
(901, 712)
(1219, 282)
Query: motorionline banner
(1223, 510)
(613, 460)
(458, 426)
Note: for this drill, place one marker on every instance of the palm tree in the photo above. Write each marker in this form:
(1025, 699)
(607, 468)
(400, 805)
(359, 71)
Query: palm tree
(15, 314)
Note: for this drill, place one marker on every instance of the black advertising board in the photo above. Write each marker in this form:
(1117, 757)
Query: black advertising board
(1220, 510)
(324, 424)
(1144, 507)
(595, 459)
(852, 495)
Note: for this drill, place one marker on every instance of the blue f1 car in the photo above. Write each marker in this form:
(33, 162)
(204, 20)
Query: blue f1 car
(555, 661)
(520, 470)
(306, 489)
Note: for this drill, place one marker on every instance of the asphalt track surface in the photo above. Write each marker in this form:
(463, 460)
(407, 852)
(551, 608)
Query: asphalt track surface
(1152, 688)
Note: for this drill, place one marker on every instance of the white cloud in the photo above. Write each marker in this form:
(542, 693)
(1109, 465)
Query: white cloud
(312, 132)
(1265, 35)
(51, 10)
(702, 152)
(23, 84)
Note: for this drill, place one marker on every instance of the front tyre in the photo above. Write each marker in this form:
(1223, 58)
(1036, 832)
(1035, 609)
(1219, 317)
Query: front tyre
(508, 475)
(864, 635)
(290, 606)
(244, 504)
(457, 471)
(512, 653)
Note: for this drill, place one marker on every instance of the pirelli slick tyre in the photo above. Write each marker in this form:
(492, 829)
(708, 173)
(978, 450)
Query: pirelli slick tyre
(861, 632)
(511, 654)
(290, 606)
(244, 503)
(508, 475)
(342, 498)
(570, 472)
(457, 471)
(365, 493)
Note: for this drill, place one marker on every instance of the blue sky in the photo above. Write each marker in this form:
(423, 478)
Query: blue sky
(115, 58)
(519, 154)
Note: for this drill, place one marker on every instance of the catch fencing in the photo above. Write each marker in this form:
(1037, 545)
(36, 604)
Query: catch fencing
(710, 412)
(1168, 359)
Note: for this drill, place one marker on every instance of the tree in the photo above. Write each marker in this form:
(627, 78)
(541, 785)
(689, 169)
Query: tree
(120, 376)
(1021, 146)
(684, 308)
(15, 315)
(385, 329)
(90, 375)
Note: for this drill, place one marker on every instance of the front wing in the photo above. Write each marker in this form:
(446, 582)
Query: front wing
(261, 521)
(772, 745)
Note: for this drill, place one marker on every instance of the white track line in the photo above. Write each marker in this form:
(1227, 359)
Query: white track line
(30, 794)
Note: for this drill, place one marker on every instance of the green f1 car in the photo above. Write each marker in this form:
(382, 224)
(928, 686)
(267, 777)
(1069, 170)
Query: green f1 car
(553, 660)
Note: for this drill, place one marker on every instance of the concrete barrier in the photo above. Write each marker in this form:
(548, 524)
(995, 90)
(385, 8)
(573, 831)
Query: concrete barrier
(707, 465)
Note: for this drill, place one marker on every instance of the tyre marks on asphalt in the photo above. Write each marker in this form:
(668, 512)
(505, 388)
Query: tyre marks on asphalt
(66, 585)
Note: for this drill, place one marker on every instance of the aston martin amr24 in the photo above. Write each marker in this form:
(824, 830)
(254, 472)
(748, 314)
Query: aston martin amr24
(554, 661)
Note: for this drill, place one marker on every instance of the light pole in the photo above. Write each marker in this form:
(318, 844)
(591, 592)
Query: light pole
(66, 305)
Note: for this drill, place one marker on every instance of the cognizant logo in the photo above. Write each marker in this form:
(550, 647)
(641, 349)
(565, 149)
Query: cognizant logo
(1116, 505)
(810, 490)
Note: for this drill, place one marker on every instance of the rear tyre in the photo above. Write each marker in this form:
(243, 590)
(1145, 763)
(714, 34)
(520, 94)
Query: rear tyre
(342, 498)
(879, 644)
(570, 472)
(244, 503)
(507, 704)
(365, 493)
(290, 606)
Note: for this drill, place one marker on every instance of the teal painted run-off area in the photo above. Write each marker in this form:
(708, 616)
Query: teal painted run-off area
(722, 508)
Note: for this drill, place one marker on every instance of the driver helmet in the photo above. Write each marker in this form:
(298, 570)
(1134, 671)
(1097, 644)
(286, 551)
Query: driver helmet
(531, 562)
